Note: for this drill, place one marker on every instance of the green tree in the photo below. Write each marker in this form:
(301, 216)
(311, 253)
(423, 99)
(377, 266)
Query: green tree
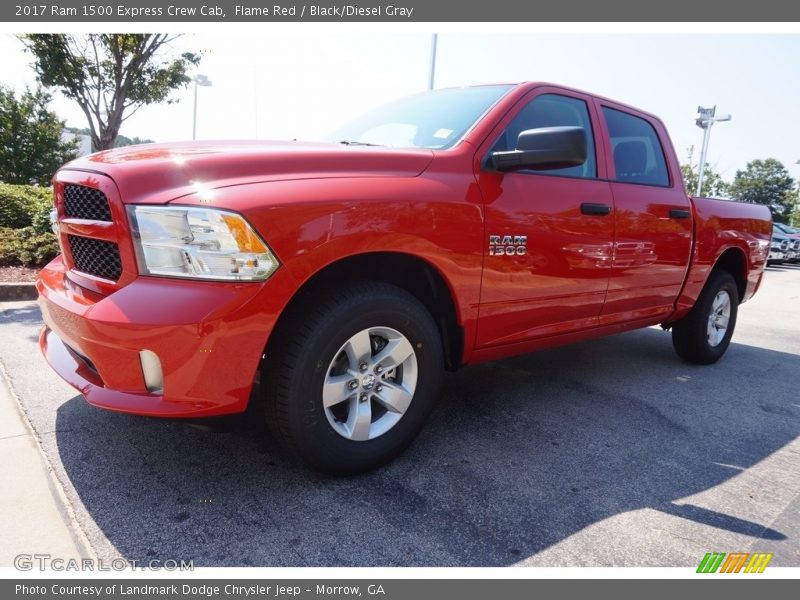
(126, 141)
(31, 148)
(713, 184)
(118, 143)
(767, 182)
(794, 218)
(110, 76)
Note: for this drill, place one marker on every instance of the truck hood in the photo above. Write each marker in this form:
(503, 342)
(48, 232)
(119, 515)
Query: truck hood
(159, 173)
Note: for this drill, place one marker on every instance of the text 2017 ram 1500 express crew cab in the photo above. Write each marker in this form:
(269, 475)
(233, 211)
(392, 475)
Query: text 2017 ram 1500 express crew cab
(448, 228)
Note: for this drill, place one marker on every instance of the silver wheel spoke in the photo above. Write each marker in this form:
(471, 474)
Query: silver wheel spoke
(336, 389)
(719, 318)
(395, 353)
(719, 301)
(358, 348)
(394, 397)
(359, 420)
(724, 302)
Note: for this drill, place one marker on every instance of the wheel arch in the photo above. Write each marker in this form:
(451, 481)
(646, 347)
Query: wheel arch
(407, 271)
(734, 261)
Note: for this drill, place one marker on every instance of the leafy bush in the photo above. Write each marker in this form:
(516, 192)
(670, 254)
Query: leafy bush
(25, 206)
(31, 138)
(26, 247)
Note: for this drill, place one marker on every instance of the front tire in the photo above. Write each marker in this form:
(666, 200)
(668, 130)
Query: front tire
(703, 336)
(351, 381)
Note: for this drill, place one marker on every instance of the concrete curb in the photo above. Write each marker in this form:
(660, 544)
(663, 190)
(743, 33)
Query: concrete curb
(12, 292)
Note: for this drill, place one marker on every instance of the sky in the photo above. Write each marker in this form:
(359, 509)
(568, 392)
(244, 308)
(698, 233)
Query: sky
(304, 84)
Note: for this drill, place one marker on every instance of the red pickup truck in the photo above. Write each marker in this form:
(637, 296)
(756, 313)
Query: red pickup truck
(342, 277)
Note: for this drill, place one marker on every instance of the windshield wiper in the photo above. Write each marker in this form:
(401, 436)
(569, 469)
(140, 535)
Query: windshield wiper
(355, 143)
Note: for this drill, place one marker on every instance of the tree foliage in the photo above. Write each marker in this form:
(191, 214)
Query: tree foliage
(713, 184)
(794, 218)
(26, 247)
(31, 148)
(110, 76)
(134, 141)
(25, 206)
(121, 140)
(25, 235)
(767, 182)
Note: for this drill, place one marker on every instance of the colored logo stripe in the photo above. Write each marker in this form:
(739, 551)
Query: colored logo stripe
(711, 562)
(758, 563)
(735, 561)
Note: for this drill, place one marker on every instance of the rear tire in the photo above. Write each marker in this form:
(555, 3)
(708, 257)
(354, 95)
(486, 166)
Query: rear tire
(703, 336)
(352, 376)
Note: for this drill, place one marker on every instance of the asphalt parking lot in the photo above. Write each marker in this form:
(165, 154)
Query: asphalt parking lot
(610, 452)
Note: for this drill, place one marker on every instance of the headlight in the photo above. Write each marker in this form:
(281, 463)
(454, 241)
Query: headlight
(198, 243)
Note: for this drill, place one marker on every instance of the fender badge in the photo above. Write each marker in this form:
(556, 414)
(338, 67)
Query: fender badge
(508, 245)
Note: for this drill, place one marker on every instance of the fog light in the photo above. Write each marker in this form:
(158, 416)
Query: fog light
(151, 369)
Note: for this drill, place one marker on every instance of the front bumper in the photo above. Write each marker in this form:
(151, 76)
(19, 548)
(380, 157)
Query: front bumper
(209, 339)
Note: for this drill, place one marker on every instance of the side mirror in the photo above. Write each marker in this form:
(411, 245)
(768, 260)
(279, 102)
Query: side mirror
(544, 148)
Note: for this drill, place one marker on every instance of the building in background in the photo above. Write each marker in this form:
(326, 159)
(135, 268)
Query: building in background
(84, 142)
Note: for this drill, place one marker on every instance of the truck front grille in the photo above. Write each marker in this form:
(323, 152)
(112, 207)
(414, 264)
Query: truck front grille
(95, 257)
(81, 202)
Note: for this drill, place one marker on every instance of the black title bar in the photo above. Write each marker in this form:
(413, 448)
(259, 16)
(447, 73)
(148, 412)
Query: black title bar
(402, 11)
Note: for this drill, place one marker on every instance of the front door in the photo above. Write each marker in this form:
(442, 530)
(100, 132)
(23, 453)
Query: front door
(549, 234)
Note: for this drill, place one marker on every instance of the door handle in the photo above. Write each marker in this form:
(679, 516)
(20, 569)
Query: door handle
(590, 208)
(679, 213)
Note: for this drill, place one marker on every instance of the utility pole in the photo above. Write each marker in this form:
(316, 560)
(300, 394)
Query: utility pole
(705, 119)
(432, 72)
(199, 80)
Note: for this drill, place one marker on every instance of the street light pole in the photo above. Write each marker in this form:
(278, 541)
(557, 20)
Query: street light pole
(705, 119)
(194, 114)
(703, 152)
(432, 71)
(199, 80)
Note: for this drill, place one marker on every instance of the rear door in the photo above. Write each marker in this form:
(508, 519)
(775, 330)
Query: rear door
(652, 217)
(549, 234)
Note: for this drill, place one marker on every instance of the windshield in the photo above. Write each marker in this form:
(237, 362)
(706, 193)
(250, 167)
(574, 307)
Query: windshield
(435, 119)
